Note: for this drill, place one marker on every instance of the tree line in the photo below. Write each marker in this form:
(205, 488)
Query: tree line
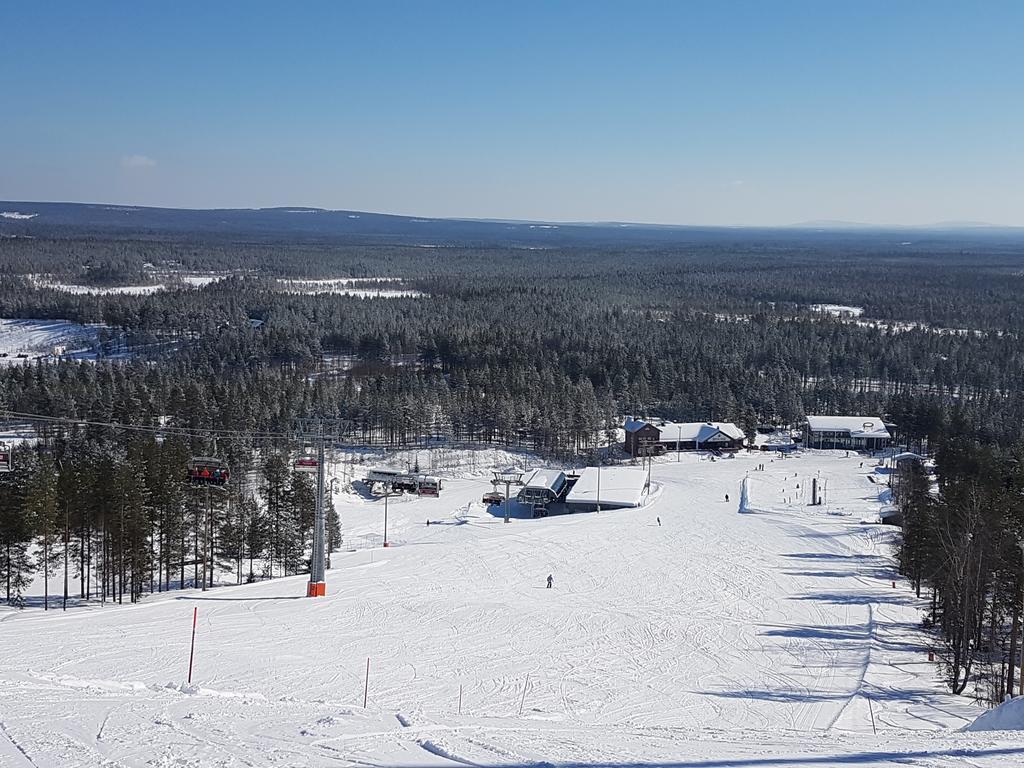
(116, 519)
(961, 545)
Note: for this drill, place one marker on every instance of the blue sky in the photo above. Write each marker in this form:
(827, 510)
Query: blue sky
(675, 112)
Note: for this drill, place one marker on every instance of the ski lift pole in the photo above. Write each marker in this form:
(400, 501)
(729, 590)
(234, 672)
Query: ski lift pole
(317, 584)
(319, 430)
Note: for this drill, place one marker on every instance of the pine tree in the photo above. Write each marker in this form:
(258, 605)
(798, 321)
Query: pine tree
(40, 507)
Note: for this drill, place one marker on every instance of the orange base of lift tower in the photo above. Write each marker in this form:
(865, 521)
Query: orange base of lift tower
(316, 589)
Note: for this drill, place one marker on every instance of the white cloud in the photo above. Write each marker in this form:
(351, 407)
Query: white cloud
(137, 161)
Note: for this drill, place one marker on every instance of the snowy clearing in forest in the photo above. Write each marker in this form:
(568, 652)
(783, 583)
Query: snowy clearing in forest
(839, 310)
(166, 282)
(766, 638)
(25, 340)
(108, 290)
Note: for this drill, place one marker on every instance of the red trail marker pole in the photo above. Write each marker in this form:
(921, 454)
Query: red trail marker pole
(192, 650)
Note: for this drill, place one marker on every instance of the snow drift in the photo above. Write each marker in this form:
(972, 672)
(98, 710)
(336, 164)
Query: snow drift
(1008, 716)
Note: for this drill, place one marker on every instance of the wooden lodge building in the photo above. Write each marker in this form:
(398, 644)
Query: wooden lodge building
(656, 437)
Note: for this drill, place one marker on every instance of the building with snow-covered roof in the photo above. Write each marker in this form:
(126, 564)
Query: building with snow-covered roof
(643, 437)
(607, 488)
(851, 433)
(543, 486)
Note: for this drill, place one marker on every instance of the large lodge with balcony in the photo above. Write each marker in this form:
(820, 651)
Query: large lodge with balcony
(850, 433)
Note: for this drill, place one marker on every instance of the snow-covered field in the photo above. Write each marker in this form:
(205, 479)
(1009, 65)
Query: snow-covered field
(162, 281)
(32, 339)
(766, 637)
(110, 290)
(839, 310)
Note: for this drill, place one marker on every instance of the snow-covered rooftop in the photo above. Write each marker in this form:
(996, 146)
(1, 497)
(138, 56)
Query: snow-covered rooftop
(857, 426)
(620, 487)
(687, 431)
(908, 456)
(544, 479)
(698, 431)
(635, 425)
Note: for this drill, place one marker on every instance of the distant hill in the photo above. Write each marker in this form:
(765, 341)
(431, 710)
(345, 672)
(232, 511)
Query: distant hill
(301, 223)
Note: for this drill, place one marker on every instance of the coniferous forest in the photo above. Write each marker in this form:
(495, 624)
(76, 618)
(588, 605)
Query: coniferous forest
(544, 348)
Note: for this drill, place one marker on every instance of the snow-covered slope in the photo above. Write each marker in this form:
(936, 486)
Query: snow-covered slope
(41, 338)
(772, 638)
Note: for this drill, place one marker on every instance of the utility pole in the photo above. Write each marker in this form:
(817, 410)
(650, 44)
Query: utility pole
(319, 430)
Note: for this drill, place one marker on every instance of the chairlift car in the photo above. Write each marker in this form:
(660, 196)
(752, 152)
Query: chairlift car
(309, 465)
(206, 470)
(493, 498)
(6, 462)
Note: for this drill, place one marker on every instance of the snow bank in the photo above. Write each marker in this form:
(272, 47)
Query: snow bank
(1008, 716)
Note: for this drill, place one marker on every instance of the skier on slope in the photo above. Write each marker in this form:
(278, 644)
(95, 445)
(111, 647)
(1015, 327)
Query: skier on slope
(551, 580)
(659, 522)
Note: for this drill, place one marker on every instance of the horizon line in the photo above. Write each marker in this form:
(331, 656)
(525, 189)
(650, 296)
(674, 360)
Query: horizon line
(837, 224)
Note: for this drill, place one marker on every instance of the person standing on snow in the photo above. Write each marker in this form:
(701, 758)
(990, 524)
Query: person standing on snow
(551, 580)
(659, 522)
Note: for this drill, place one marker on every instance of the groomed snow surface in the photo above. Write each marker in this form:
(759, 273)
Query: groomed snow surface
(765, 639)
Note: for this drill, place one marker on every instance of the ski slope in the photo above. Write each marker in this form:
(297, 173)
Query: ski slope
(34, 339)
(768, 637)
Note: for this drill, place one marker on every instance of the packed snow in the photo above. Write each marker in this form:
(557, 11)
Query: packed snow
(771, 638)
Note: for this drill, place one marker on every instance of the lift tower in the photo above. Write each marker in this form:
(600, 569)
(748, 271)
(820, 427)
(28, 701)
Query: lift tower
(319, 431)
